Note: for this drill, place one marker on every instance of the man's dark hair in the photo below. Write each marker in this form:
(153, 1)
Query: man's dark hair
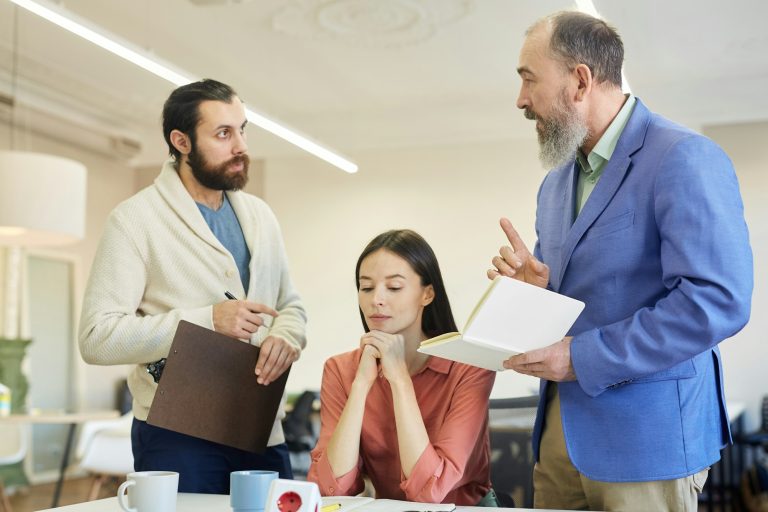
(409, 245)
(578, 38)
(181, 110)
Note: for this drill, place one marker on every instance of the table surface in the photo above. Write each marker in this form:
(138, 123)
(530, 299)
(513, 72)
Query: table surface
(198, 503)
(60, 417)
(512, 419)
(217, 502)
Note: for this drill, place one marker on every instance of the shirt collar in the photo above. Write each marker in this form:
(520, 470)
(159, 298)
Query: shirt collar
(603, 150)
(438, 364)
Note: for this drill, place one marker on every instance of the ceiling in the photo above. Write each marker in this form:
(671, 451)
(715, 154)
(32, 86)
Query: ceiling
(360, 75)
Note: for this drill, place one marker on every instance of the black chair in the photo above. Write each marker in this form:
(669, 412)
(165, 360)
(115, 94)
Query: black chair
(124, 397)
(750, 449)
(759, 438)
(300, 432)
(511, 450)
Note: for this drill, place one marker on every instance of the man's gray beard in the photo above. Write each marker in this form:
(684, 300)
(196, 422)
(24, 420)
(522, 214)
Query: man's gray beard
(560, 136)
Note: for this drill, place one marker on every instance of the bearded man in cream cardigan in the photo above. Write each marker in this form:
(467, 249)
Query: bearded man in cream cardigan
(168, 254)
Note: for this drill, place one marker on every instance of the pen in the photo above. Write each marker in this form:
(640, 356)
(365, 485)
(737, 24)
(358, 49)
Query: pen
(230, 296)
(328, 508)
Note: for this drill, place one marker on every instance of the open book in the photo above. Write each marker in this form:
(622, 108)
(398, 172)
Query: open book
(363, 504)
(511, 317)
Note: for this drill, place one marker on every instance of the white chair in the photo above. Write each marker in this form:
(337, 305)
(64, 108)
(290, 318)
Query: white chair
(13, 449)
(104, 450)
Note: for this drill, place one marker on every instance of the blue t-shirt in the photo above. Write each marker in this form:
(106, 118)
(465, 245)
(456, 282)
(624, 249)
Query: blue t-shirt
(224, 224)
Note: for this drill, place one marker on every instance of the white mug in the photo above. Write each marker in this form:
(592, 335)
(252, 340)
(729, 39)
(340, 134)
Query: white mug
(150, 491)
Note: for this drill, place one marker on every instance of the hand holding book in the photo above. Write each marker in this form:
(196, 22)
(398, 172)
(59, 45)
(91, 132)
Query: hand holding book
(548, 363)
(512, 317)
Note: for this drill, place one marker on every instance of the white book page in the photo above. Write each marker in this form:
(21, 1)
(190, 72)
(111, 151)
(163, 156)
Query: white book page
(469, 352)
(520, 317)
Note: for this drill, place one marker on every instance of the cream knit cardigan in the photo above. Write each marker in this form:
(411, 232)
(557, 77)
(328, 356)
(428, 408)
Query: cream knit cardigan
(158, 262)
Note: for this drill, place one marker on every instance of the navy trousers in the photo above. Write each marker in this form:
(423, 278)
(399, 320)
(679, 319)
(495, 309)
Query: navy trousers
(203, 466)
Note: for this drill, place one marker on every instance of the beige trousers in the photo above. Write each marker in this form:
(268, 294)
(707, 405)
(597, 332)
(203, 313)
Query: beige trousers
(558, 484)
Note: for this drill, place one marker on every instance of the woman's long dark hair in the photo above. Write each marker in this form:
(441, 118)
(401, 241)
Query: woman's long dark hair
(437, 318)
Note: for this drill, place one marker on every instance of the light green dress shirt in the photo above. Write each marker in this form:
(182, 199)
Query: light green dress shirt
(591, 166)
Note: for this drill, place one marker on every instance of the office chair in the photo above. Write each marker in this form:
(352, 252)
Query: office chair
(759, 438)
(511, 424)
(300, 431)
(13, 449)
(104, 450)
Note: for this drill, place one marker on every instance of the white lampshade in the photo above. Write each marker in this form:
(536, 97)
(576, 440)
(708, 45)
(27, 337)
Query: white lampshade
(42, 199)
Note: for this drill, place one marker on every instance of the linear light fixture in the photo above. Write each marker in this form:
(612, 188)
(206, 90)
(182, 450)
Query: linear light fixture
(129, 52)
(588, 7)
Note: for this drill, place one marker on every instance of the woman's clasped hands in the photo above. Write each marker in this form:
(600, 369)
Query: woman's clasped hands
(383, 355)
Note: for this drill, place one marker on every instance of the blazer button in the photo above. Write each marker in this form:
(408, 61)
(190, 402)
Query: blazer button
(229, 273)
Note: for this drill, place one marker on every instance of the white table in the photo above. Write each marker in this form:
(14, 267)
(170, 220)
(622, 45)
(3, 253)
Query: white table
(60, 418)
(201, 503)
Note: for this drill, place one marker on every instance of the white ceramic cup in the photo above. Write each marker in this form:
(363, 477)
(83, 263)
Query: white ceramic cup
(149, 491)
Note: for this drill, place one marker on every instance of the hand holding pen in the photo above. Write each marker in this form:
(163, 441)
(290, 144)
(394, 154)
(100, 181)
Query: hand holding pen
(276, 354)
(239, 318)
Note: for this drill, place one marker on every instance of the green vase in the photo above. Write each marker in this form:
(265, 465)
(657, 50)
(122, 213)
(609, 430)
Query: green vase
(12, 352)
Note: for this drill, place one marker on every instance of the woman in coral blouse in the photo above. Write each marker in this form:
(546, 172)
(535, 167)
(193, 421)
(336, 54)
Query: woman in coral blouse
(416, 425)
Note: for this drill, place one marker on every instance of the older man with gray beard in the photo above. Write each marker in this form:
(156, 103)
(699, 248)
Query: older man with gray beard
(642, 220)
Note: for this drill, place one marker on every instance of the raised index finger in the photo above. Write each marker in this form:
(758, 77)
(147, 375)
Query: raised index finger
(514, 238)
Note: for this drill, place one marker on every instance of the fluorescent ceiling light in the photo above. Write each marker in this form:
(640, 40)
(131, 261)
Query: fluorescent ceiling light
(588, 7)
(131, 53)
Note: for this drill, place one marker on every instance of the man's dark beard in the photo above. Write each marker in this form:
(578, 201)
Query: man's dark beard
(216, 177)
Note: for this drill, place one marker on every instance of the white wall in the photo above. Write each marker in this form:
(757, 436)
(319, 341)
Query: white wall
(454, 196)
(746, 354)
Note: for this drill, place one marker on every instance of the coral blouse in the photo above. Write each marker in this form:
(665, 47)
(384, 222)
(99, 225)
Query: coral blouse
(455, 465)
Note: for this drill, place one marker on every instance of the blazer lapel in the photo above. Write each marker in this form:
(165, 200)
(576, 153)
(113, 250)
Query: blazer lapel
(568, 200)
(616, 169)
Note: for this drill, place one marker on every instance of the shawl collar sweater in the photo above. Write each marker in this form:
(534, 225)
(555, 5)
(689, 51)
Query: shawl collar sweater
(158, 262)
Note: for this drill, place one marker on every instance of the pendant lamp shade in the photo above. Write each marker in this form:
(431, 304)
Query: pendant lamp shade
(42, 199)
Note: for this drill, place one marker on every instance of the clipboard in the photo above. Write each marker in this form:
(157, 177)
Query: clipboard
(208, 390)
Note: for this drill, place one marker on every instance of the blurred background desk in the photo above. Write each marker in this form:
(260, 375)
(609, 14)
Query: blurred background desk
(59, 418)
(511, 425)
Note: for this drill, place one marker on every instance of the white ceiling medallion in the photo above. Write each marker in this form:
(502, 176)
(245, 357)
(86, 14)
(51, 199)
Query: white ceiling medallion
(377, 23)
(209, 3)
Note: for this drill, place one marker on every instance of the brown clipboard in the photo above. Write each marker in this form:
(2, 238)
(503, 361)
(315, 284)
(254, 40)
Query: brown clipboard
(208, 390)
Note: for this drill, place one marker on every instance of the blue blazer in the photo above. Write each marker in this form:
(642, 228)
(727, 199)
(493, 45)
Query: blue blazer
(660, 255)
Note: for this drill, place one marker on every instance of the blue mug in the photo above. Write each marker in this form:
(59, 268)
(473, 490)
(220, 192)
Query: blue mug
(248, 490)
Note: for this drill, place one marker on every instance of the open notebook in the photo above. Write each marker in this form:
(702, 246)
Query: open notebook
(510, 318)
(362, 504)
